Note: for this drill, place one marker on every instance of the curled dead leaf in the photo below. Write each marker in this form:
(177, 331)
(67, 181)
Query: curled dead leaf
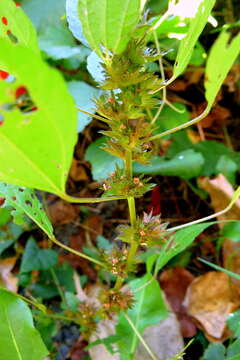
(174, 282)
(210, 299)
(7, 279)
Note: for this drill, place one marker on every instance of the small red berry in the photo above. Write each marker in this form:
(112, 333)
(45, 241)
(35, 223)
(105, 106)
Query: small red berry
(2, 201)
(21, 90)
(3, 74)
(18, 4)
(4, 20)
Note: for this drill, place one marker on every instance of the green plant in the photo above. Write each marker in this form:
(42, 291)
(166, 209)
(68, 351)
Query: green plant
(37, 103)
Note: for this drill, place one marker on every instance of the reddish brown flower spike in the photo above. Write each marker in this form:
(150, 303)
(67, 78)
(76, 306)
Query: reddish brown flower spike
(4, 20)
(3, 74)
(21, 90)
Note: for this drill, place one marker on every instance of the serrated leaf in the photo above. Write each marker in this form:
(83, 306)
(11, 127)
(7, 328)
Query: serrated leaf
(18, 24)
(19, 339)
(35, 258)
(74, 22)
(24, 201)
(108, 23)
(36, 148)
(187, 44)
(222, 55)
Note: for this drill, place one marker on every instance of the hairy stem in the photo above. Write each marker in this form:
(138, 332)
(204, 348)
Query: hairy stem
(73, 199)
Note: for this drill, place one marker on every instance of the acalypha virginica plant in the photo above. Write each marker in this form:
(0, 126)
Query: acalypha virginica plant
(37, 138)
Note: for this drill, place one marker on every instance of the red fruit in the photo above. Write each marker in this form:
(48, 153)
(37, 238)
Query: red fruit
(3, 74)
(4, 20)
(21, 90)
(18, 4)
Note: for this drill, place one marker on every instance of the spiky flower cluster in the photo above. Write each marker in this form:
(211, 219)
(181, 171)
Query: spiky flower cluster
(115, 301)
(149, 231)
(115, 261)
(87, 319)
(128, 110)
(120, 184)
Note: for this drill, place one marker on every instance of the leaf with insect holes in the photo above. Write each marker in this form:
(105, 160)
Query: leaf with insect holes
(108, 23)
(24, 201)
(187, 44)
(16, 27)
(36, 147)
(19, 338)
(222, 55)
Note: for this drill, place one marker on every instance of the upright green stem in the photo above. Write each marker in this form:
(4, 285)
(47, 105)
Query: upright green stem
(132, 215)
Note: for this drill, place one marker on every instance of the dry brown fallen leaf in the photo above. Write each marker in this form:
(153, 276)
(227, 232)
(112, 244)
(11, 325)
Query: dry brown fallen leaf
(77, 171)
(174, 282)
(210, 299)
(62, 213)
(164, 339)
(221, 192)
(7, 279)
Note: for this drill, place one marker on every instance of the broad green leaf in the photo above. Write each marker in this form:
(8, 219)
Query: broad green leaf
(222, 55)
(58, 43)
(24, 201)
(35, 258)
(187, 44)
(5, 216)
(108, 23)
(149, 309)
(233, 322)
(233, 349)
(36, 148)
(212, 152)
(46, 286)
(19, 340)
(180, 241)
(95, 67)
(83, 95)
(44, 13)
(187, 164)
(215, 352)
(228, 168)
(231, 231)
(18, 24)
(74, 22)
(169, 118)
